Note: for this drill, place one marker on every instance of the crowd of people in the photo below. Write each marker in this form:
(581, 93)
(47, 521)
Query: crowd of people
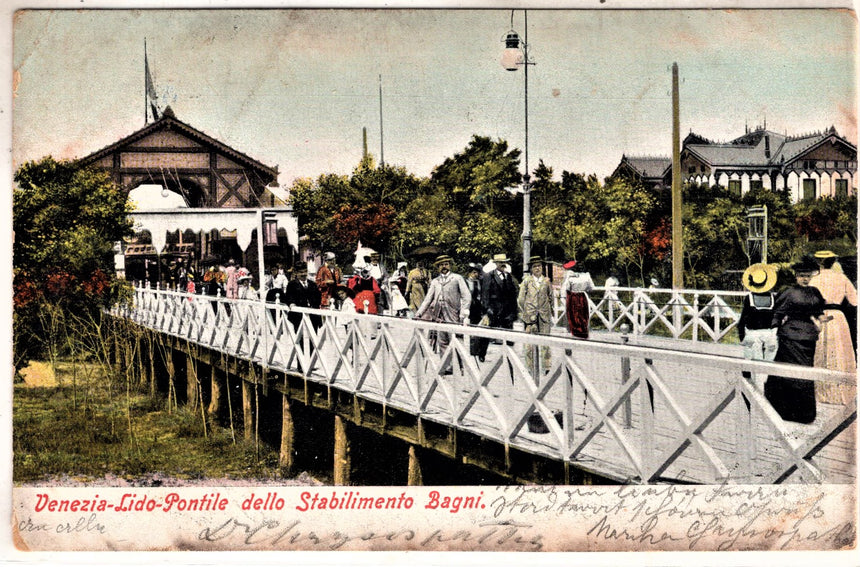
(804, 324)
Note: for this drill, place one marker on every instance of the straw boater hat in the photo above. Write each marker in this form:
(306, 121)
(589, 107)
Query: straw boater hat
(824, 254)
(535, 260)
(759, 278)
(501, 259)
(330, 256)
(442, 258)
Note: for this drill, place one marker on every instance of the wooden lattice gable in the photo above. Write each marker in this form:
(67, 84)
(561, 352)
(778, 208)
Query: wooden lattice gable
(173, 153)
(829, 146)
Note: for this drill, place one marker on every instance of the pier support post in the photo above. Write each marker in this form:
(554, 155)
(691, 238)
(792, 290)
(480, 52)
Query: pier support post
(191, 390)
(342, 463)
(288, 438)
(215, 401)
(413, 473)
(247, 409)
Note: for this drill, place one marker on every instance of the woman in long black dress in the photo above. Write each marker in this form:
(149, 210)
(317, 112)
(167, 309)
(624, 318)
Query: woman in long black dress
(796, 315)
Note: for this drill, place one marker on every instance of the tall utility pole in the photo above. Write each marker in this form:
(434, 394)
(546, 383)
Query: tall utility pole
(677, 233)
(527, 186)
(381, 137)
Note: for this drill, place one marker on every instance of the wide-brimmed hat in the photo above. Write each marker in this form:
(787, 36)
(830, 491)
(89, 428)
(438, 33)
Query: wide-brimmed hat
(535, 260)
(349, 292)
(442, 258)
(759, 278)
(500, 258)
(806, 264)
(475, 267)
(569, 265)
(823, 254)
(330, 256)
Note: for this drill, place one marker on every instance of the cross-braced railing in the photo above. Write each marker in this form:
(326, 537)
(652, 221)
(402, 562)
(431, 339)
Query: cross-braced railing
(680, 314)
(631, 413)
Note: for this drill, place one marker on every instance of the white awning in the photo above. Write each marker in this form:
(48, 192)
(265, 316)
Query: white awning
(244, 221)
(148, 197)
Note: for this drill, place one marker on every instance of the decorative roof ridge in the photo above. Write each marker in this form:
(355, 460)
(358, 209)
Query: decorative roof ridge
(168, 118)
(634, 156)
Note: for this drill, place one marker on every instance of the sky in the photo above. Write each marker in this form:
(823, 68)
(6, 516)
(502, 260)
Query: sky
(294, 88)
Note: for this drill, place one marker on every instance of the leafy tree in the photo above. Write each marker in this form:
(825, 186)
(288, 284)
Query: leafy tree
(316, 203)
(428, 220)
(827, 218)
(567, 215)
(336, 211)
(626, 210)
(65, 221)
(372, 223)
(477, 177)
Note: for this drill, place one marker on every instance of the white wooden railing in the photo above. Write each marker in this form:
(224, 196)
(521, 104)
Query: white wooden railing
(690, 314)
(686, 314)
(631, 413)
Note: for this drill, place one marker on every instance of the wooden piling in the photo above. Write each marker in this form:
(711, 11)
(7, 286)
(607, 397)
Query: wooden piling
(288, 438)
(413, 473)
(191, 393)
(247, 409)
(342, 464)
(216, 379)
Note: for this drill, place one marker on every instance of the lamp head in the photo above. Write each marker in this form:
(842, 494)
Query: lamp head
(512, 56)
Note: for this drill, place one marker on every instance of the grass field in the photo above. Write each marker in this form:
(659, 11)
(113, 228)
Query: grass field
(91, 428)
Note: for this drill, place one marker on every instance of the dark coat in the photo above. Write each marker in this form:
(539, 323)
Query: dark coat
(499, 298)
(476, 309)
(303, 296)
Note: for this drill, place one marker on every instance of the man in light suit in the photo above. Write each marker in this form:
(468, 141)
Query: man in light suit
(447, 301)
(535, 302)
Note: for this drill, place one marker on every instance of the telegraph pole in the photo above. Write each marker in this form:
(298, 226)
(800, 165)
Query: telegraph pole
(677, 233)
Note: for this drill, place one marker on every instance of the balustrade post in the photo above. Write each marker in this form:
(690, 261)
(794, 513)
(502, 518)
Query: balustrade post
(625, 377)
(696, 317)
(567, 424)
(677, 315)
(745, 442)
(648, 429)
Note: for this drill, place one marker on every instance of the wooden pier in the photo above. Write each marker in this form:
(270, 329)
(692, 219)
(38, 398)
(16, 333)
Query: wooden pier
(370, 396)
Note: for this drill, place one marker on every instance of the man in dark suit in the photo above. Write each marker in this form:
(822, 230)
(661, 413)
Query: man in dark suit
(302, 292)
(499, 294)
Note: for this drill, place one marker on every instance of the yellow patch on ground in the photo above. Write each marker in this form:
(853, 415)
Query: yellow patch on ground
(39, 375)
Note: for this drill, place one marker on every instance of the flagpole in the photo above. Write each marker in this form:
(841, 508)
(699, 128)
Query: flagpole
(145, 90)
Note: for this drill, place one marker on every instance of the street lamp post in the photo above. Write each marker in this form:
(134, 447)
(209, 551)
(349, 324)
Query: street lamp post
(516, 54)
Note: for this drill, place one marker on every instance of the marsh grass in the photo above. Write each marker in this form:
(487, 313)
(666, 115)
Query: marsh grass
(88, 431)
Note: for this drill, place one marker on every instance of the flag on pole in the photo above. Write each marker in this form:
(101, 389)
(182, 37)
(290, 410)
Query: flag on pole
(150, 86)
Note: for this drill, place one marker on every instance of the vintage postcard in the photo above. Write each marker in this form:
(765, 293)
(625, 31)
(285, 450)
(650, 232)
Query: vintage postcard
(510, 278)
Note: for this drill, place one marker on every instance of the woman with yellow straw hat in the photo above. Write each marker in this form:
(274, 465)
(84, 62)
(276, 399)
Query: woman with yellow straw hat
(755, 330)
(834, 349)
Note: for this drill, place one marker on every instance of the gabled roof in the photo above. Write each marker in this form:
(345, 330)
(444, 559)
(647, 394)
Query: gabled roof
(168, 121)
(759, 148)
(648, 167)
